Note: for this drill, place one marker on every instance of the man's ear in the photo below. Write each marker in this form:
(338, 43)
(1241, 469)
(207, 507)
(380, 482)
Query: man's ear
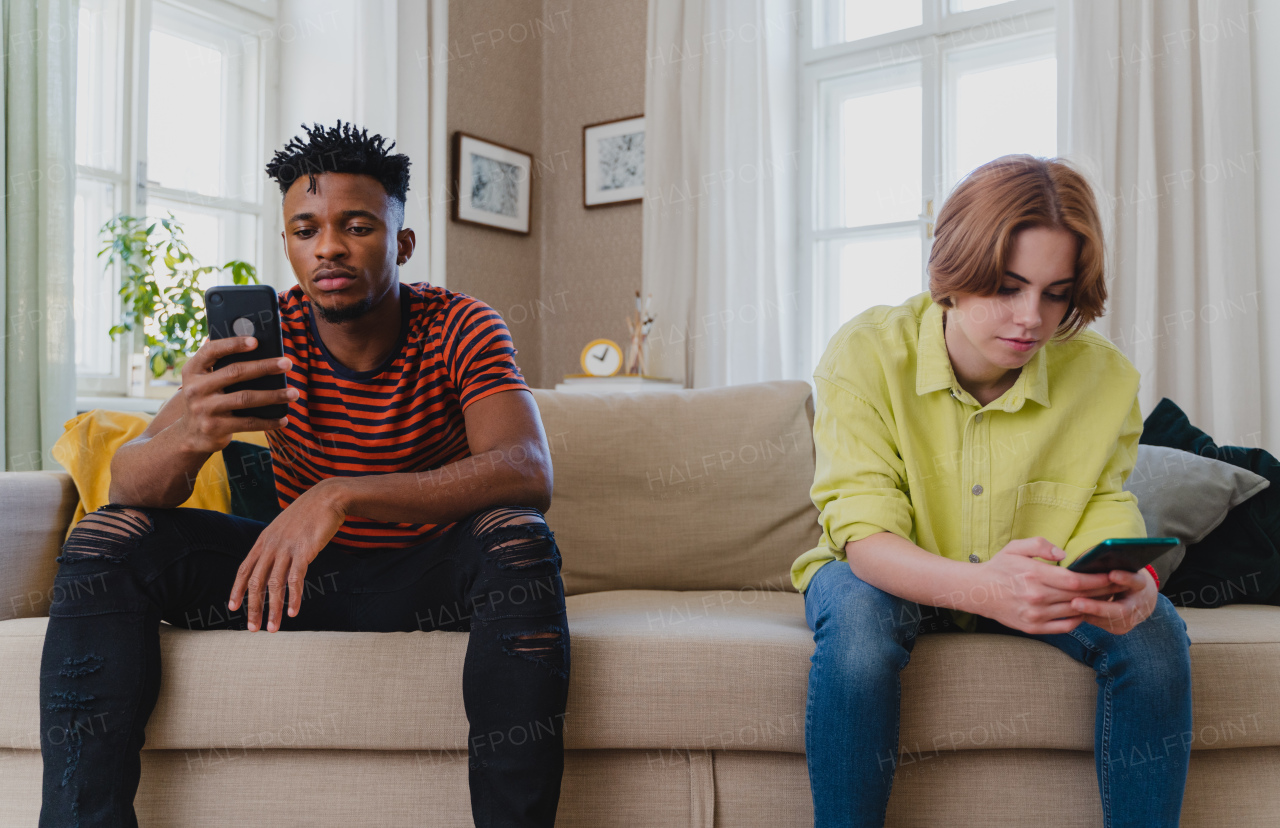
(285, 244)
(405, 243)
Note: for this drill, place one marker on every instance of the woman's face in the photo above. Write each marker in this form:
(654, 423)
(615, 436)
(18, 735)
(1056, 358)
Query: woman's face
(1003, 332)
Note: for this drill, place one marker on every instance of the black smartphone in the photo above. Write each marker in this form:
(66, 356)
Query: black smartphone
(1129, 554)
(249, 310)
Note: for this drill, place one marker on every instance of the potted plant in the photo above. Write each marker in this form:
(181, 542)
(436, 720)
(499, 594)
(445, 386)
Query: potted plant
(160, 289)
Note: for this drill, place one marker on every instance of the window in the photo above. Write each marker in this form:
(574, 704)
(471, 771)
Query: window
(901, 99)
(170, 118)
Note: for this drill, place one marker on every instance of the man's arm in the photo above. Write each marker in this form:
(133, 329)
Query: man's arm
(157, 468)
(510, 465)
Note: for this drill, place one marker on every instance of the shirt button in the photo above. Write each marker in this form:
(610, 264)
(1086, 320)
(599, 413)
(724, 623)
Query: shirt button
(977, 489)
(973, 558)
(978, 417)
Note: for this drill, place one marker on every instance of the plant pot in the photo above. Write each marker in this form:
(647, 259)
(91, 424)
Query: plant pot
(144, 383)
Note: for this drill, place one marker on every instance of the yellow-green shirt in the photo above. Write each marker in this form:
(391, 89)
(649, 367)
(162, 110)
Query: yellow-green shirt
(902, 448)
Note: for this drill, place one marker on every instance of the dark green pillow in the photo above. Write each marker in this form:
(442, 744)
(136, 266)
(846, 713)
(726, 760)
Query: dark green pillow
(1238, 562)
(252, 481)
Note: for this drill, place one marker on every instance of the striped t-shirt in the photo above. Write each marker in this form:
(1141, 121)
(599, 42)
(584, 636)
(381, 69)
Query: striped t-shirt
(403, 416)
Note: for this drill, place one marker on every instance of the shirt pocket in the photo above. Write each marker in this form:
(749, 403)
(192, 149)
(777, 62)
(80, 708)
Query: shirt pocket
(1049, 510)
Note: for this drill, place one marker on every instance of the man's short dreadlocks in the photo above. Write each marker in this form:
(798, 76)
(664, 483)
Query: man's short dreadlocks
(341, 148)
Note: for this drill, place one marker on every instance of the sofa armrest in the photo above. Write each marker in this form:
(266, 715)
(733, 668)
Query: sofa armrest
(36, 507)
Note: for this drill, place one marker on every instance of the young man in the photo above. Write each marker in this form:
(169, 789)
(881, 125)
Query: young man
(412, 471)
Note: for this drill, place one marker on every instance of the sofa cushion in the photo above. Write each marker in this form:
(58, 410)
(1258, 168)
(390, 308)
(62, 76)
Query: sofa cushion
(656, 671)
(1186, 496)
(705, 489)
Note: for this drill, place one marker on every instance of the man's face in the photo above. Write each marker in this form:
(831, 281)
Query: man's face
(344, 242)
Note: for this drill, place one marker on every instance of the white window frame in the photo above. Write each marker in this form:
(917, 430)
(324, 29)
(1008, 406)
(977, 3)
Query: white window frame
(253, 20)
(1007, 27)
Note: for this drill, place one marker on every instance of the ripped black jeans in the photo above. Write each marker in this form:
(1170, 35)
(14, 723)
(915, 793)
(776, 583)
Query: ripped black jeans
(123, 570)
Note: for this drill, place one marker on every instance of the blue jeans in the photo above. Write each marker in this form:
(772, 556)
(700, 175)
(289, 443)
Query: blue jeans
(864, 637)
(123, 570)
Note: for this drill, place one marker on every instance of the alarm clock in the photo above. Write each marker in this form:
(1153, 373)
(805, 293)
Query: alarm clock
(601, 358)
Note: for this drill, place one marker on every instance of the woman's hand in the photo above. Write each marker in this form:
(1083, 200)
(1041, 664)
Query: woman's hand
(1037, 597)
(1129, 607)
(283, 552)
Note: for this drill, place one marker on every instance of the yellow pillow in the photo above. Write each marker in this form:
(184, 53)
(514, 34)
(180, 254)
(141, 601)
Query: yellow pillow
(89, 441)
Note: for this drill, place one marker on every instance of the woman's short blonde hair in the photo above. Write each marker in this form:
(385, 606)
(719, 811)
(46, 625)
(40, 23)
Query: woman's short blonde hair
(976, 227)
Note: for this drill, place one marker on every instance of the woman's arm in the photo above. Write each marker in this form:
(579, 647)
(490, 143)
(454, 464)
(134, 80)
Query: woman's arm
(1113, 512)
(1013, 587)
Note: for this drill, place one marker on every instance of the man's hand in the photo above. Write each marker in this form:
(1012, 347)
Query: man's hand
(208, 422)
(283, 552)
(1127, 608)
(1038, 597)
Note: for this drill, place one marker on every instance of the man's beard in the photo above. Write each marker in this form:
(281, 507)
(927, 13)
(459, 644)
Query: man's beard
(345, 314)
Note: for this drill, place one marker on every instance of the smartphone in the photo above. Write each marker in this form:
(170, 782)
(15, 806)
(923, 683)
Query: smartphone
(1129, 554)
(249, 310)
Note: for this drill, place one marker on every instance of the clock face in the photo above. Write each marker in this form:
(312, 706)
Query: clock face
(601, 358)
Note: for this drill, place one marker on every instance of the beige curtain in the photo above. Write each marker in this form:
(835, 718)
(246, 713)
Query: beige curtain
(38, 371)
(1159, 107)
(721, 163)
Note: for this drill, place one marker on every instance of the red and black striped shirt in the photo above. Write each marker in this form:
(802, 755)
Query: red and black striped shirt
(403, 416)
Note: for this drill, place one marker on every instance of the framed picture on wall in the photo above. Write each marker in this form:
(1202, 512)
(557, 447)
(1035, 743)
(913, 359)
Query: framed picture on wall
(492, 183)
(613, 162)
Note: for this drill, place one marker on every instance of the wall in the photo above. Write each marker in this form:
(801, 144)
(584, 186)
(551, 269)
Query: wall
(590, 258)
(495, 93)
(533, 81)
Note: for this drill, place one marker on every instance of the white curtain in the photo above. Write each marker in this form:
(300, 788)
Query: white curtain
(38, 369)
(1159, 107)
(720, 213)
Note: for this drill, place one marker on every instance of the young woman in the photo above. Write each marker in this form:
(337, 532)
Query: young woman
(971, 443)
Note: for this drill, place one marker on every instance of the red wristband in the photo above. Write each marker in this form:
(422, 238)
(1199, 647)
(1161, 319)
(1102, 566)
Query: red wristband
(1154, 576)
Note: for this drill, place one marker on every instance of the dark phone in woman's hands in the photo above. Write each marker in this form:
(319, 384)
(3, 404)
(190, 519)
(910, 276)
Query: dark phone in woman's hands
(1129, 554)
(249, 310)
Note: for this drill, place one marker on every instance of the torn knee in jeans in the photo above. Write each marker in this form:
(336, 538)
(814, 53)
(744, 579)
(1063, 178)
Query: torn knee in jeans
(107, 533)
(516, 537)
(545, 647)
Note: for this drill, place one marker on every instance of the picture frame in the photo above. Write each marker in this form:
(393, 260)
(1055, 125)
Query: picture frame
(613, 162)
(492, 184)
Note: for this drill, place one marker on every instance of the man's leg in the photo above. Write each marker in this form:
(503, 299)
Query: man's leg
(515, 680)
(498, 575)
(122, 570)
(1142, 723)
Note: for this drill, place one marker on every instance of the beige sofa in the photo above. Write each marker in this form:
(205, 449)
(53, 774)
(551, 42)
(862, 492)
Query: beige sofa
(677, 516)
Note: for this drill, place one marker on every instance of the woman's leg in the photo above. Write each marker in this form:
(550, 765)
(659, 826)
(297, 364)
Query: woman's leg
(863, 639)
(1142, 726)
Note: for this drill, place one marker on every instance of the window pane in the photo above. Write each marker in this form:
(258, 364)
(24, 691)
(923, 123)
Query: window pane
(98, 84)
(201, 229)
(867, 18)
(880, 139)
(96, 302)
(876, 271)
(1006, 110)
(184, 115)
(213, 236)
(970, 5)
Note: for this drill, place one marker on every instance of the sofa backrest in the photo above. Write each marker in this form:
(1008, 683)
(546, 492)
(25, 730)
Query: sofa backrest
(704, 489)
(695, 489)
(37, 508)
